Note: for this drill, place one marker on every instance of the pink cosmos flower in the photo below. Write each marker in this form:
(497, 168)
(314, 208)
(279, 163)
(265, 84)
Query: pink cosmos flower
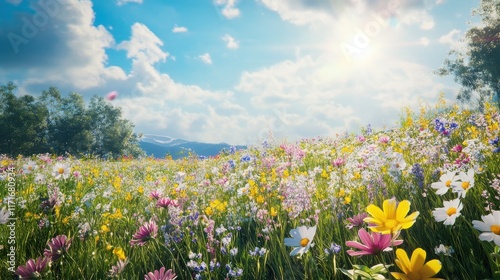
(356, 221)
(372, 243)
(155, 194)
(163, 202)
(144, 234)
(160, 275)
(32, 269)
(57, 247)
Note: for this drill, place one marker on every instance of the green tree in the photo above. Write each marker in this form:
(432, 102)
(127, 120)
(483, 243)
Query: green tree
(477, 67)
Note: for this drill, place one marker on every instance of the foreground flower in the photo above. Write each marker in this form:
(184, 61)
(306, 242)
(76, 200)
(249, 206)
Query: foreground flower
(4, 215)
(446, 181)
(467, 182)
(415, 269)
(364, 272)
(144, 234)
(490, 226)
(57, 247)
(372, 244)
(32, 269)
(392, 218)
(160, 275)
(118, 268)
(449, 212)
(301, 239)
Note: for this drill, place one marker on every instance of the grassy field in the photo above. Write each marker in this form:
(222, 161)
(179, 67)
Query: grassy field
(321, 208)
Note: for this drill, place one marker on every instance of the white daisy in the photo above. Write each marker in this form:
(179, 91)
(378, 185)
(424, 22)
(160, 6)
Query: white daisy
(301, 239)
(490, 227)
(4, 216)
(465, 184)
(449, 212)
(61, 171)
(445, 183)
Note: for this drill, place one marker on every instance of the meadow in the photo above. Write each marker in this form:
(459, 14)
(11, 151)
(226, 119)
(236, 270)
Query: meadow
(417, 201)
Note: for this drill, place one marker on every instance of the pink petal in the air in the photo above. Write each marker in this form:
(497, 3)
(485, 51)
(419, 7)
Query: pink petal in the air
(112, 95)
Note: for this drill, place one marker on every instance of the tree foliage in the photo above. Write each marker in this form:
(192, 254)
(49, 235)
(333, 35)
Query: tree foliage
(476, 67)
(56, 124)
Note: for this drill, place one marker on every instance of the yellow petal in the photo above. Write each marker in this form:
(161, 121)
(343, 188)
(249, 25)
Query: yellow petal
(403, 209)
(407, 225)
(390, 208)
(381, 229)
(411, 217)
(431, 268)
(370, 220)
(376, 212)
(402, 261)
(417, 259)
(398, 275)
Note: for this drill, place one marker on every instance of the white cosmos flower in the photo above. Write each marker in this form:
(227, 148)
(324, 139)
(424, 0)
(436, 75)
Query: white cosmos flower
(29, 167)
(449, 212)
(490, 226)
(302, 238)
(465, 184)
(61, 171)
(445, 183)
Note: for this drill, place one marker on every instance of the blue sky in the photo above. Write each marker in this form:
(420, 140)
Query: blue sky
(234, 70)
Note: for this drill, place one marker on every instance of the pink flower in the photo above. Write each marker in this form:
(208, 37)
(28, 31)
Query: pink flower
(32, 269)
(155, 194)
(372, 244)
(112, 95)
(57, 247)
(356, 221)
(160, 275)
(163, 202)
(144, 234)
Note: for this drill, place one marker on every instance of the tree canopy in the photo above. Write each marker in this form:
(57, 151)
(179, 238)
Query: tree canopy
(55, 124)
(476, 67)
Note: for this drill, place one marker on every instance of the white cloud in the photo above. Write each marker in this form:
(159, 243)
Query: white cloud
(453, 39)
(229, 9)
(424, 41)
(205, 58)
(179, 29)
(231, 43)
(144, 45)
(15, 2)
(123, 2)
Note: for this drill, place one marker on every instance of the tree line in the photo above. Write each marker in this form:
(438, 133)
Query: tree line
(56, 124)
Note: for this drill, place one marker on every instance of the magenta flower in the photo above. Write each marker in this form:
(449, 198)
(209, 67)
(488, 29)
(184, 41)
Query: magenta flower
(372, 244)
(57, 247)
(155, 194)
(160, 275)
(163, 202)
(356, 221)
(146, 232)
(32, 269)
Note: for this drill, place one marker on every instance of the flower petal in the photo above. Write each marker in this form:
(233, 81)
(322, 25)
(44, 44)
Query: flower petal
(402, 210)
(292, 242)
(430, 269)
(417, 259)
(390, 209)
(376, 213)
(402, 261)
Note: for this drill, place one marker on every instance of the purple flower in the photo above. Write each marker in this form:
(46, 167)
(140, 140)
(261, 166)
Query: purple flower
(163, 202)
(356, 221)
(118, 268)
(160, 275)
(57, 247)
(155, 194)
(145, 233)
(32, 269)
(372, 244)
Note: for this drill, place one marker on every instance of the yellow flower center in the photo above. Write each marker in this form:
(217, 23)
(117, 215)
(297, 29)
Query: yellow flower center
(465, 185)
(448, 183)
(495, 229)
(451, 211)
(304, 242)
(414, 275)
(60, 170)
(391, 223)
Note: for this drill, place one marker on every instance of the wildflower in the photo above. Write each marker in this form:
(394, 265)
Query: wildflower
(32, 269)
(258, 252)
(356, 221)
(118, 268)
(118, 251)
(372, 244)
(392, 218)
(160, 275)
(467, 182)
(29, 167)
(4, 215)
(144, 234)
(415, 268)
(155, 194)
(445, 250)
(163, 202)
(490, 227)
(301, 239)
(365, 272)
(446, 181)
(61, 171)
(57, 247)
(449, 212)
(333, 250)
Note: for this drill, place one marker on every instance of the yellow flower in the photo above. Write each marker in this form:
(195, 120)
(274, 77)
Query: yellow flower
(140, 190)
(105, 229)
(128, 197)
(415, 269)
(392, 219)
(118, 251)
(274, 213)
(209, 211)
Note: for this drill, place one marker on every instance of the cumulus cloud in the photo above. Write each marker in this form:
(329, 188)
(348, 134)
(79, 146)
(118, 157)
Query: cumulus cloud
(231, 43)
(123, 2)
(452, 39)
(205, 58)
(229, 9)
(144, 45)
(179, 29)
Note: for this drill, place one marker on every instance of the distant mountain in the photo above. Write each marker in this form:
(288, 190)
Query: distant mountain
(160, 146)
